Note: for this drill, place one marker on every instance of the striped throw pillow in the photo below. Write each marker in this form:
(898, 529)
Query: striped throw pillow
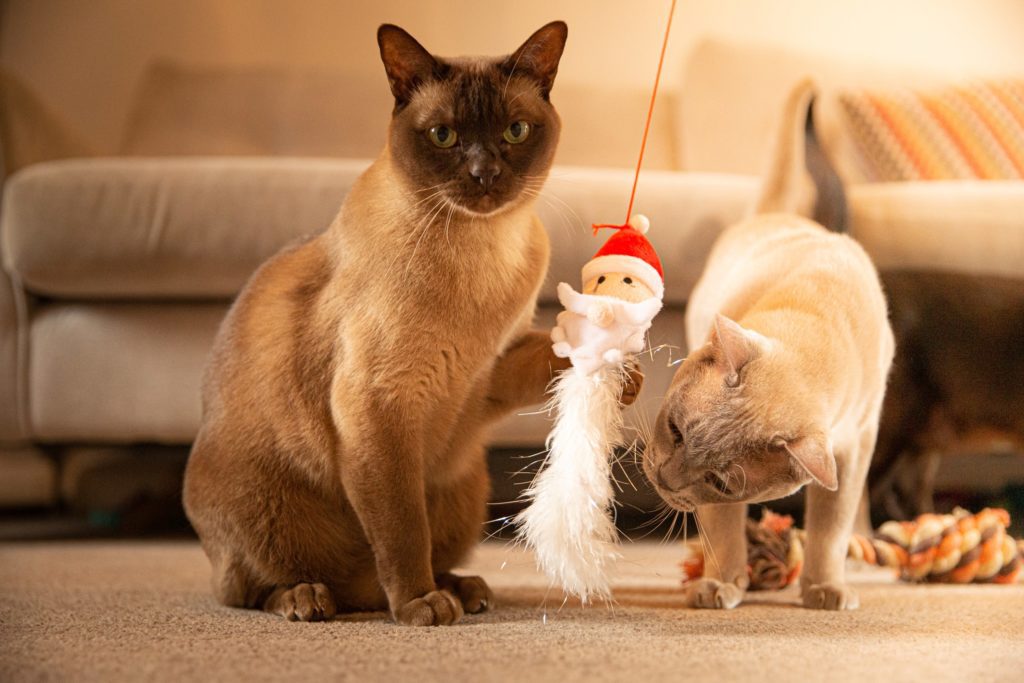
(971, 132)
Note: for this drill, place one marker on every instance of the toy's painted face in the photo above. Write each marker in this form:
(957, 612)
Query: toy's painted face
(619, 285)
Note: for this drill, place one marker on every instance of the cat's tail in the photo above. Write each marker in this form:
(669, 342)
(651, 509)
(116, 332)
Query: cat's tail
(800, 177)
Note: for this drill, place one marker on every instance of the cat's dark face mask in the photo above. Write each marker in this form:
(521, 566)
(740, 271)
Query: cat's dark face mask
(478, 134)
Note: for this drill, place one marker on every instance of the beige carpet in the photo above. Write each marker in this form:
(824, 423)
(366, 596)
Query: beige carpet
(142, 611)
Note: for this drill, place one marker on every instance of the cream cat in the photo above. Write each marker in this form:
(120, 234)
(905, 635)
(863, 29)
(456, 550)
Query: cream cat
(340, 462)
(790, 351)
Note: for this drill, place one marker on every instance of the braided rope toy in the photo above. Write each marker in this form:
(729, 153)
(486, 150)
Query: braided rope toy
(955, 548)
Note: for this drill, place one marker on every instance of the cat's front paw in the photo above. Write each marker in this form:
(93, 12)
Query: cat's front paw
(713, 594)
(472, 591)
(830, 596)
(436, 608)
(631, 387)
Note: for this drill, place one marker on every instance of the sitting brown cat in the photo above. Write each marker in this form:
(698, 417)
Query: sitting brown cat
(790, 350)
(340, 463)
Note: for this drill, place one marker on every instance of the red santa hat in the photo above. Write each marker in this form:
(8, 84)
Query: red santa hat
(629, 251)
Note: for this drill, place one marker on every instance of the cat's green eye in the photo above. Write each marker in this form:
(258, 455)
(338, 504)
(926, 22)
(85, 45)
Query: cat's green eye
(517, 132)
(442, 136)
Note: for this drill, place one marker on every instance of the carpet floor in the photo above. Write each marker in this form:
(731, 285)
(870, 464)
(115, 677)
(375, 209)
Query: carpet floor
(114, 611)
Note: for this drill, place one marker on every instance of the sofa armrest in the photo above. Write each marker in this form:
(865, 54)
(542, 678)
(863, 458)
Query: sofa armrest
(185, 228)
(13, 331)
(974, 227)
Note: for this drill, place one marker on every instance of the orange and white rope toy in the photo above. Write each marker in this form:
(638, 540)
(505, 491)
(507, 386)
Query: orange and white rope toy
(956, 548)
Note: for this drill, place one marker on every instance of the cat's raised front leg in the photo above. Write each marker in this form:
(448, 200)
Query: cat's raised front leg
(522, 374)
(382, 473)
(829, 521)
(725, 557)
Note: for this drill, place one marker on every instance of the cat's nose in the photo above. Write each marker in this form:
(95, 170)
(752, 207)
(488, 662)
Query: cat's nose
(483, 166)
(485, 172)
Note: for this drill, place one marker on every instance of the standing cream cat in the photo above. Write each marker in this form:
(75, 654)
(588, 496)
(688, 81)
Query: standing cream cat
(340, 463)
(791, 349)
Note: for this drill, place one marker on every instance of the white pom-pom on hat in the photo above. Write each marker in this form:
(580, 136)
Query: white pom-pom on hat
(639, 222)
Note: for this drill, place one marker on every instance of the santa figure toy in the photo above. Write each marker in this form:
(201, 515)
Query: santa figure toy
(569, 521)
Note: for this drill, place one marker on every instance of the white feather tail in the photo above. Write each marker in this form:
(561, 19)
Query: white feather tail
(569, 521)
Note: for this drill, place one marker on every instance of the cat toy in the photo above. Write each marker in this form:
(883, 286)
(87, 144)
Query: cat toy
(568, 522)
(955, 548)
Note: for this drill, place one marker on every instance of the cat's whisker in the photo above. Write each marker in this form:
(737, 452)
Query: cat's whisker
(424, 219)
(555, 198)
(430, 196)
(743, 488)
(447, 224)
(568, 223)
(625, 472)
(516, 97)
(644, 427)
(423, 233)
(432, 187)
(434, 190)
(662, 513)
(705, 542)
(668, 535)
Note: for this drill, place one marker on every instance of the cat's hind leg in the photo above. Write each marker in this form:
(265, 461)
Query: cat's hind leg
(472, 591)
(302, 602)
(723, 533)
(236, 585)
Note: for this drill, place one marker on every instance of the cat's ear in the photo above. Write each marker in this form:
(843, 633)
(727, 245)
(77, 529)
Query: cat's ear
(814, 454)
(407, 63)
(735, 347)
(538, 57)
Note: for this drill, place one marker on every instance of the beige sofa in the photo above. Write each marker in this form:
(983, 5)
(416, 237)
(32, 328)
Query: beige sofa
(118, 269)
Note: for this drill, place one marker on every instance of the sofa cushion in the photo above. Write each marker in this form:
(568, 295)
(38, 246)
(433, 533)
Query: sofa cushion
(118, 373)
(962, 226)
(197, 228)
(218, 110)
(214, 110)
(732, 96)
(150, 388)
(972, 131)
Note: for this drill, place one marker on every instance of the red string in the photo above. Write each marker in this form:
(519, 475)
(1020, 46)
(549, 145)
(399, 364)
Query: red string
(647, 125)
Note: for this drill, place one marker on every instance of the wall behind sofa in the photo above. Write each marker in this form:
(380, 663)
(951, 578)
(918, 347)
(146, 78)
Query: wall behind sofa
(86, 58)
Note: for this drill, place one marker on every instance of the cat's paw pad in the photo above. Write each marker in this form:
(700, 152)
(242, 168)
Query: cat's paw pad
(436, 608)
(830, 596)
(303, 602)
(631, 387)
(472, 591)
(713, 594)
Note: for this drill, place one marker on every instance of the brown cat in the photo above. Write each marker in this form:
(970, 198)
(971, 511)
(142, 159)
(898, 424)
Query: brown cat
(340, 462)
(956, 381)
(790, 350)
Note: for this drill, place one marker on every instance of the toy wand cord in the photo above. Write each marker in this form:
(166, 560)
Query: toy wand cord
(569, 523)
